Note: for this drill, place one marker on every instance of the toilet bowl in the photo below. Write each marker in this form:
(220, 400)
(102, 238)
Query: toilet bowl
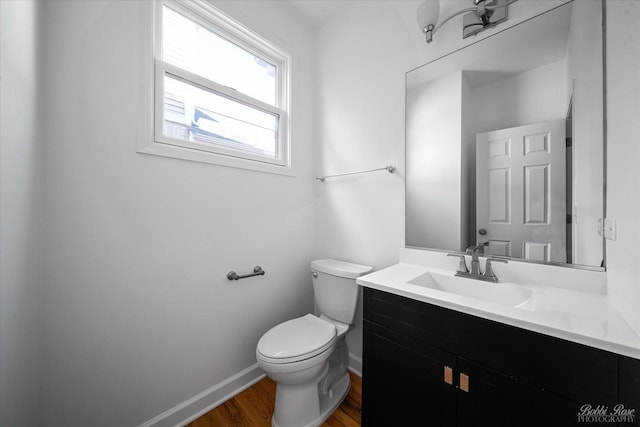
(307, 356)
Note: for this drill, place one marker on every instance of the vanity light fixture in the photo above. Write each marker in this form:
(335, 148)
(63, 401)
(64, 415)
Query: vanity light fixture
(485, 14)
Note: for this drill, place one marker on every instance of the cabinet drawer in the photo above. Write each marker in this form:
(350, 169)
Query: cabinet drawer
(581, 373)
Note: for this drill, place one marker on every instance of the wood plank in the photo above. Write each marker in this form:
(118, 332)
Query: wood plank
(348, 413)
(333, 422)
(339, 416)
(254, 408)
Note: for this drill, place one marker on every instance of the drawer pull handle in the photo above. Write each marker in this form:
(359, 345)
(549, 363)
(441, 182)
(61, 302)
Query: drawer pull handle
(464, 382)
(448, 375)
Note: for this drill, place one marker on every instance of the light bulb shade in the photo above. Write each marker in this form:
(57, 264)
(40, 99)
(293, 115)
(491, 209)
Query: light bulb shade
(428, 13)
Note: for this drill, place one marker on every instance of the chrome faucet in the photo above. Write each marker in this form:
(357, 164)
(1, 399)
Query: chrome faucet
(476, 250)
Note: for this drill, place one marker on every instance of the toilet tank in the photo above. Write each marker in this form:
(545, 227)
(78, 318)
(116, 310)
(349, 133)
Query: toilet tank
(335, 288)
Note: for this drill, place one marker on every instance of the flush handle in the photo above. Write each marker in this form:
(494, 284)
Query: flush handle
(464, 382)
(448, 375)
(314, 274)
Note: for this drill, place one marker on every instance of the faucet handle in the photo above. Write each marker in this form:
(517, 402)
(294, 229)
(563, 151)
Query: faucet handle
(481, 247)
(462, 267)
(475, 248)
(488, 270)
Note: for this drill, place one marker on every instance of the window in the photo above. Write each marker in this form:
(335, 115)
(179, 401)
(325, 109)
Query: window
(221, 91)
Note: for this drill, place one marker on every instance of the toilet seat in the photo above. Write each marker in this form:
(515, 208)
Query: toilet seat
(296, 339)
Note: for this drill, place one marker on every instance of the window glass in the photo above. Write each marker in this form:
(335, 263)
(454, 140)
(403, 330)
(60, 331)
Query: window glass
(188, 45)
(200, 116)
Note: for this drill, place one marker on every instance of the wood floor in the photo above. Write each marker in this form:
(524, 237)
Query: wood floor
(254, 408)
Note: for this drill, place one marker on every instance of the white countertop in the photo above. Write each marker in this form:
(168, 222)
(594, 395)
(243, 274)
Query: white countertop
(582, 317)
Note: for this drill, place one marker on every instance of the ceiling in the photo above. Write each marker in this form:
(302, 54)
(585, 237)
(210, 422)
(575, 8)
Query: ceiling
(317, 11)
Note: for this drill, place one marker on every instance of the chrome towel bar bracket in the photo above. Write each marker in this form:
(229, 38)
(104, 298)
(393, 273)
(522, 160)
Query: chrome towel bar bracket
(257, 271)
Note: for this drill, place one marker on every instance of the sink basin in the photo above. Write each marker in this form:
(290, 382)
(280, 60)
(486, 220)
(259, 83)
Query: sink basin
(500, 293)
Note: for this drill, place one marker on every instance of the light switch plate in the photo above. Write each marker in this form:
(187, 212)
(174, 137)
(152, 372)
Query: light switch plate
(610, 229)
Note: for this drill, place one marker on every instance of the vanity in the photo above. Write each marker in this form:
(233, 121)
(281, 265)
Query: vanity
(445, 356)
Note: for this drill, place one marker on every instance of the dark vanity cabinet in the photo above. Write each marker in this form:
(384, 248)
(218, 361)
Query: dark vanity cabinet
(630, 386)
(428, 365)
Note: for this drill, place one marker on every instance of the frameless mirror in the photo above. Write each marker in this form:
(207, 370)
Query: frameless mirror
(505, 142)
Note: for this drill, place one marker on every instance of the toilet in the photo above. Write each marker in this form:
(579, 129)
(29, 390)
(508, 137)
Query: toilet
(307, 356)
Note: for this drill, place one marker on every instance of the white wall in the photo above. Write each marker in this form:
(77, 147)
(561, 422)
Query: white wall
(536, 95)
(434, 185)
(139, 314)
(21, 219)
(623, 156)
(362, 54)
(585, 72)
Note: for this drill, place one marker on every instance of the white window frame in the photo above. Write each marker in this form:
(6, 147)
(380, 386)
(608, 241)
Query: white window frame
(212, 19)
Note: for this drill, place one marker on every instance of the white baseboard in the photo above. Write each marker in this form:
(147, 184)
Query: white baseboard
(202, 403)
(355, 364)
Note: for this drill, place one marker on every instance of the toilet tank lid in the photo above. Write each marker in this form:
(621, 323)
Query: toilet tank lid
(340, 268)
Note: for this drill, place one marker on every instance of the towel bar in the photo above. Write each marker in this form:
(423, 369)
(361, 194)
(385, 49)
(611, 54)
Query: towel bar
(257, 271)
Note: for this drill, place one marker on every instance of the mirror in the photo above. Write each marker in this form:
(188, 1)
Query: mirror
(505, 142)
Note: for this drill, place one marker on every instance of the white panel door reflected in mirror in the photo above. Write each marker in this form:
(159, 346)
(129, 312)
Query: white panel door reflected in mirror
(521, 191)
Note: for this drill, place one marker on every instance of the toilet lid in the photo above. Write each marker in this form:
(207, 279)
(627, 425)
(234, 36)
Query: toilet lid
(296, 339)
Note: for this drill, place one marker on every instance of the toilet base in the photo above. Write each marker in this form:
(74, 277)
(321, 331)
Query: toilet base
(329, 402)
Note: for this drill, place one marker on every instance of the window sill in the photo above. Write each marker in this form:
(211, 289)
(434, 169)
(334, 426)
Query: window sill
(166, 150)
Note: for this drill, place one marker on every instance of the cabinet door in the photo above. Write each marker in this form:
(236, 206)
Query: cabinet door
(498, 400)
(630, 388)
(404, 381)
